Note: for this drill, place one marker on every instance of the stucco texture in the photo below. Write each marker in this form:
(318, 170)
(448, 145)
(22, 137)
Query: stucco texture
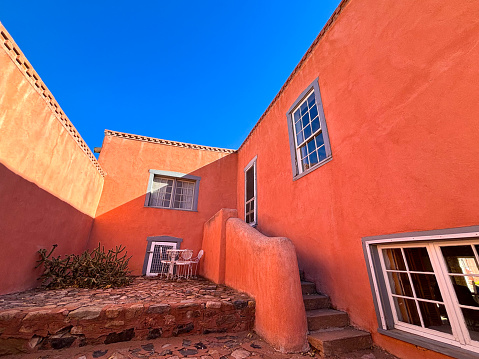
(398, 82)
(49, 188)
(123, 218)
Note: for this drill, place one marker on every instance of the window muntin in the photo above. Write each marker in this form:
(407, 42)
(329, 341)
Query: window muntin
(250, 193)
(433, 289)
(171, 193)
(173, 190)
(309, 141)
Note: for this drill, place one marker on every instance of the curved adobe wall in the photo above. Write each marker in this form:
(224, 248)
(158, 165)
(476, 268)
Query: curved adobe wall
(398, 81)
(266, 268)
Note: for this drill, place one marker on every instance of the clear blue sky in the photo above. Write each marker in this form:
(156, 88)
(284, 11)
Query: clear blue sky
(193, 71)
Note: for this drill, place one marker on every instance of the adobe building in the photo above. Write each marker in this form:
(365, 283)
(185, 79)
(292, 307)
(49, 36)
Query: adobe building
(363, 172)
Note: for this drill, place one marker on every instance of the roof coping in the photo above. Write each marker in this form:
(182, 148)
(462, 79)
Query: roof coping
(160, 141)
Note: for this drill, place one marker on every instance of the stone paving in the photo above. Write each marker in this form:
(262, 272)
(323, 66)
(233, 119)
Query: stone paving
(148, 309)
(243, 345)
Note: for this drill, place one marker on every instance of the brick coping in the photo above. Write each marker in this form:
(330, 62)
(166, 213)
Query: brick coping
(19, 59)
(130, 136)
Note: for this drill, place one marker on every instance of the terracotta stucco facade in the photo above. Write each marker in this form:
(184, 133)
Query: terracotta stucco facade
(398, 83)
(50, 183)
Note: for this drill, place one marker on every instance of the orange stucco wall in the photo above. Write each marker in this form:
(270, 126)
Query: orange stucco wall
(121, 216)
(49, 187)
(398, 82)
(214, 243)
(267, 268)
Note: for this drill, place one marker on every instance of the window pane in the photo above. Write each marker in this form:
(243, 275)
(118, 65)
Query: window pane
(471, 316)
(305, 119)
(426, 286)
(304, 152)
(247, 207)
(435, 317)
(466, 289)
(407, 311)
(393, 259)
(418, 259)
(296, 116)
(311, 99)
(399, 284)
(319, 140)
(311, 145)
(313, 112)
(460, 259)
(300, 138)
(322, 153)
(313, 158)
(304, 108)
(307, 131)
(305, 162)
(315, 125)
(250, 183)
(298, 126)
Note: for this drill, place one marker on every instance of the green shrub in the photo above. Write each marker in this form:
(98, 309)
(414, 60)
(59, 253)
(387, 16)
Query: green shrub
(95, 269)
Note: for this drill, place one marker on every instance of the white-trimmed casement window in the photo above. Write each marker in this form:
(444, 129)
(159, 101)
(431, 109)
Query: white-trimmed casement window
(309, 141)
(251, 203)
(426, 288)
(172, 190)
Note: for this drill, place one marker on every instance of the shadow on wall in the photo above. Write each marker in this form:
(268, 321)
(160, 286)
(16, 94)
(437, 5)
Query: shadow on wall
(131, 223)
(30, 219)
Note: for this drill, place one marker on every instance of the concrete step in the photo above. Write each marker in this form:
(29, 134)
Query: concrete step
(308, 287)
(326, 318)
(315, 301)
(339, 341)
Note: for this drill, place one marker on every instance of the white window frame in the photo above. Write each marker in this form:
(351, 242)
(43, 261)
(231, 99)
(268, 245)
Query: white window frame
(251, 164)
(295, 150)
(151, 252)
(458, 344)
(175, 176)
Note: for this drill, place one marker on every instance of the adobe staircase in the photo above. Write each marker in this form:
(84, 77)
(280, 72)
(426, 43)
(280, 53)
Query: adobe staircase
(329, 330)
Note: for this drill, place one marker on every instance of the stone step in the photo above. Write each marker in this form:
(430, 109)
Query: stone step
(326, 318)
(308, 287)
(315, 301)
(339, 341)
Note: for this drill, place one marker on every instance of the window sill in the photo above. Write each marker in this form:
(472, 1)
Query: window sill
(175, 209)
(430, 344)
(309, 170)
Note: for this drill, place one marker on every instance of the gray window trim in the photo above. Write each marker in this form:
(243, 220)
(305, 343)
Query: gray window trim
(379, 291)
(152, 239)
(174, 175)
(252, 163)
(289, 116)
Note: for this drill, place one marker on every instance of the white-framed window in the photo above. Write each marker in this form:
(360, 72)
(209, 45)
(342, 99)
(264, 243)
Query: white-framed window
(156, 254)
(426, 288)
(309, 141)
(172, 190)
(251, 203)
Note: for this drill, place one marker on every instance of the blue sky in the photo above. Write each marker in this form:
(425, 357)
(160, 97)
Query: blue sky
(201, 72)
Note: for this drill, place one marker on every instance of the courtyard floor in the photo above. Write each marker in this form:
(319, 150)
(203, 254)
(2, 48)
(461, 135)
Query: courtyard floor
(204, 321)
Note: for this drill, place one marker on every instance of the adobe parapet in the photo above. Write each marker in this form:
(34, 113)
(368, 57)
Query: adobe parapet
(19, 59)
(130, 136)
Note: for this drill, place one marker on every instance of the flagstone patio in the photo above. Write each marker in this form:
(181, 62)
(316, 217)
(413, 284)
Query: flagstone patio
(146, 310)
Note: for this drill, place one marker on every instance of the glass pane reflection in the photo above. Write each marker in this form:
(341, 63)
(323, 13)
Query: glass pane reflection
(399, 284)
(435, 317)
(407, 311)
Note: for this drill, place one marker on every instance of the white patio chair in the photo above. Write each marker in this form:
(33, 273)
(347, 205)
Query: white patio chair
(183, 264)
(194, 262)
